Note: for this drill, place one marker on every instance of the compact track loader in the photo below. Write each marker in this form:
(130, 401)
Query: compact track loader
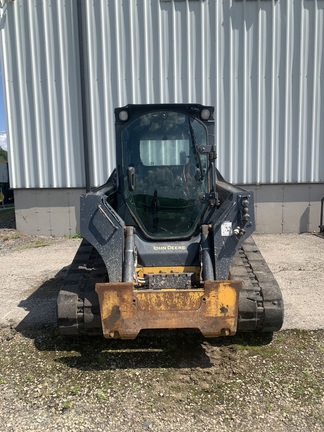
(166, 238)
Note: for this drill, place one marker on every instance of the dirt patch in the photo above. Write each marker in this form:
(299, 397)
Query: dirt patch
(13, 240)
(174, 383)
(7, 333)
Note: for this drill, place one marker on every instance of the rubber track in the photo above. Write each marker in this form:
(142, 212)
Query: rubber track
(78, 307)
(260, 301)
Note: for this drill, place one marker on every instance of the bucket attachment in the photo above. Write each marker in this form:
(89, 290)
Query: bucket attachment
(125, 311)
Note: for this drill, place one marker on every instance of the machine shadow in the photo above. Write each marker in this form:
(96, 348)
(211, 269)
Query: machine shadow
(151, 349)
(146, 351)
(40, 306)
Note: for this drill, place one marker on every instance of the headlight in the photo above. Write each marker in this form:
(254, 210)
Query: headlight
(205, 114)
(123, 115)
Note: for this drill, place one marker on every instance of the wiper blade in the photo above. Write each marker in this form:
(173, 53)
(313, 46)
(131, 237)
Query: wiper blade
(199, 175)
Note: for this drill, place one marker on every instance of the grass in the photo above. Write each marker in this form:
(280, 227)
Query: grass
(74, 236)
(6, 211)
(37, 244)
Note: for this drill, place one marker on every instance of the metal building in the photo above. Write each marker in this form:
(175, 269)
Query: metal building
(67, 63)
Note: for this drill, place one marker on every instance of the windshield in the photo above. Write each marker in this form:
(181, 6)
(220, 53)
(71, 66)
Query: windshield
(164, 172)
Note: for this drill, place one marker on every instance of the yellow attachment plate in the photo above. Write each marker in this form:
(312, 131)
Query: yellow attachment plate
(125, 311)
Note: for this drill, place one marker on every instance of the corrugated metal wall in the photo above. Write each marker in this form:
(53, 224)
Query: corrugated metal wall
(41, 78)
(259, 62)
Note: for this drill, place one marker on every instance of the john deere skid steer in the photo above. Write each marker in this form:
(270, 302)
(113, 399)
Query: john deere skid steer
(166, 239)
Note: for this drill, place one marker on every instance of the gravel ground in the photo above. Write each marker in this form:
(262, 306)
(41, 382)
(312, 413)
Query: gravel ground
(177, 383)
(174, 382)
